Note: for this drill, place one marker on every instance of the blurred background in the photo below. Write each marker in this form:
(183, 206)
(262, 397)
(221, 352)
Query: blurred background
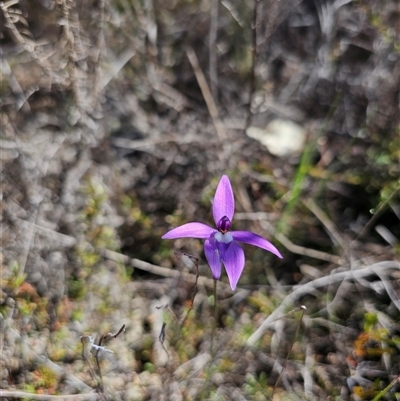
(118, 119)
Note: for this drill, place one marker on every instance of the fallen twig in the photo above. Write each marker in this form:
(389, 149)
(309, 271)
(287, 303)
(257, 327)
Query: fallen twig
(205, 90)
(301, 250)
(33, 357)
(328, 224)
(45, 397)
(212, 49)
(305, 289)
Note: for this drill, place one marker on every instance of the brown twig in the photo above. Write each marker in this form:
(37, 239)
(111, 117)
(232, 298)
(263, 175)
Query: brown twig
(377, 214)
(301, 250)
(302, 309)
(212, 49)
(254, 57)
(72, 55)
(69, 241)
(88, 345)
(169, 310)
(42, 360)
(195, 261)
(328, 224)
(308, 288)
(205, 90)
(86, 348)
(99, 47)
(261, 220)
(28, 47)
(161, 338)
(112, 335)
(273, 22)
(47, 397)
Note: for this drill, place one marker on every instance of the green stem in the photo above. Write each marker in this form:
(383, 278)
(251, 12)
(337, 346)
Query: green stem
(386, 389)
(215, 319)
(302, 308)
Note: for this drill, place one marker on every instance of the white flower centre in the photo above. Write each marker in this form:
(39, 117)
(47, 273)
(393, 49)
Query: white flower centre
(225, 238)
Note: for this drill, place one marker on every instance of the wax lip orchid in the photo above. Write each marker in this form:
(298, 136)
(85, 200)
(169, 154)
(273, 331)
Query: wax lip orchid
(221, 245)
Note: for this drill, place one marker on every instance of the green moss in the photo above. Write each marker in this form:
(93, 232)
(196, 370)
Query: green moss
(257, 388)
(149, 367)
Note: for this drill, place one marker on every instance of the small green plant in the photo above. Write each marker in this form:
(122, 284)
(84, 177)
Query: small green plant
(257, 387)
(96, 234)
(374, 342)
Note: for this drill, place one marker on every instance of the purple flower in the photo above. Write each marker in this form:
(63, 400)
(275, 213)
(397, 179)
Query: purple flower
(221, 245)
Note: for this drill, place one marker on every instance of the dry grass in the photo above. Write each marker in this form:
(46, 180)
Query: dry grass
(118, 118)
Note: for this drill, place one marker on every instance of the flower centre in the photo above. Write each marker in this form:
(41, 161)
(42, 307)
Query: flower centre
(224, 238)
(223, 225)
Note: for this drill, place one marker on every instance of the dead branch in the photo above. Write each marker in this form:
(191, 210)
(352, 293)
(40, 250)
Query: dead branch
(297, 293)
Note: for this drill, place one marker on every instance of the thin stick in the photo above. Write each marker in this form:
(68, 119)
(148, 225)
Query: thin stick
(308, 288)
(99, 48)
(205, 90)
(28, 47)
(116, 67)
(324, 219)
(161, 338)
(302, 308)
(386, 389)
(103, 338)
(69, 241)
(300, 250)
(212, 49)
(195, 261)
(377, 214)
(72, 56)
(254, 58)
(97, 380)
(48, 397)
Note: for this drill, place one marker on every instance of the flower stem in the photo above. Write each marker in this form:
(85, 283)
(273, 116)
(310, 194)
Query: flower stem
(386, 389)
(215, 320)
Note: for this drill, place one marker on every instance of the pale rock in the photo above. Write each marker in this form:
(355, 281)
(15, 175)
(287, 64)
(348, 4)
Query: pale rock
(280, 137)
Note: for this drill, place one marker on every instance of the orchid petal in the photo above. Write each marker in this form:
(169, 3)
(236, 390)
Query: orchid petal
(191, 230)
(224, 203)
(234, 263)
(213, 258)
(222, 248)
(253, 239)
